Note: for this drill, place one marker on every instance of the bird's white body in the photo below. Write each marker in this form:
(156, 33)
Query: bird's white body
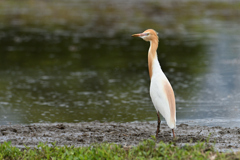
(158, 88)
(161, 91)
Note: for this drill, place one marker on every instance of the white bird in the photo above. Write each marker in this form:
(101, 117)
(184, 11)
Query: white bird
(161, 91)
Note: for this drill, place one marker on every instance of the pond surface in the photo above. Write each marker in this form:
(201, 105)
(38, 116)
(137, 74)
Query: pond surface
(63, 76)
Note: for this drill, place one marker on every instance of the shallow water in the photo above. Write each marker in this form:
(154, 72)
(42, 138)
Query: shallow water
(65, 76)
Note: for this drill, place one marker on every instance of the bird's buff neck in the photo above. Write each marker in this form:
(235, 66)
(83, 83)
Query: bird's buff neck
(152, 54)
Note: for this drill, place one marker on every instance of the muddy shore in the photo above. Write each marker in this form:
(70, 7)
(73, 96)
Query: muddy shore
(126, 134)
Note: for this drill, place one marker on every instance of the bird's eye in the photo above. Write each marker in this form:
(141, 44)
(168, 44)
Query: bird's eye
(148, 34)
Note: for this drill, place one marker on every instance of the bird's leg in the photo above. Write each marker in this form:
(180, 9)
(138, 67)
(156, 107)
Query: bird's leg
(173, 133)
(158, 126)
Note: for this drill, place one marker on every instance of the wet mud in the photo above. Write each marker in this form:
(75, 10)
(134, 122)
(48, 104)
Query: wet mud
(126, 134)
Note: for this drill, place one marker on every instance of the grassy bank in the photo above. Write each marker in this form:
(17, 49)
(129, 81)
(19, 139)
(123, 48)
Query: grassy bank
(146, 150)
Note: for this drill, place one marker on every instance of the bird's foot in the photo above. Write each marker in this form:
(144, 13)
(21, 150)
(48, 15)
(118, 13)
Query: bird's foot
(175, 138)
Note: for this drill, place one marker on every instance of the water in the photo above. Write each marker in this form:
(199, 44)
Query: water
(66, 76)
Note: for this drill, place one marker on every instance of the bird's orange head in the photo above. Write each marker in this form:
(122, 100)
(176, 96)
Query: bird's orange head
(148, 35)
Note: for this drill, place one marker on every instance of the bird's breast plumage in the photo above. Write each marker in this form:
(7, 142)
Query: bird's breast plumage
(162, 94)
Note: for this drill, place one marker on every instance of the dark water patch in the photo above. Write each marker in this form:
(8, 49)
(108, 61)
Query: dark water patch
(47, 77)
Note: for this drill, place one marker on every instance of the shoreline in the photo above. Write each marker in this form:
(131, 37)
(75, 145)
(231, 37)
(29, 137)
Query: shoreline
(126, 134)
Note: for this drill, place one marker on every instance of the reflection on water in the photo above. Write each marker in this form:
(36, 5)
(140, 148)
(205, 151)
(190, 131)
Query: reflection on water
(65, 76)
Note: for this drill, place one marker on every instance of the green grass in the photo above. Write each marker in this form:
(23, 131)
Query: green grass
(148, 149)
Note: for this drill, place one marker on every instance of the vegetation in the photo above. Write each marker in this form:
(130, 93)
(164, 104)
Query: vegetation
(176, 16)
(148, 149)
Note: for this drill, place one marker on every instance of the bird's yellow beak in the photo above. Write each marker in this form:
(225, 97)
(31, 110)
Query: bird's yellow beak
(137, 35)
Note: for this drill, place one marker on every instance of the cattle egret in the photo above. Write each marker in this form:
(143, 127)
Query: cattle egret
(161, 91)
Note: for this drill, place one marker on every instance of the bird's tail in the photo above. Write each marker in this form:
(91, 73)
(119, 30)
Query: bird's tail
(172, 124)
